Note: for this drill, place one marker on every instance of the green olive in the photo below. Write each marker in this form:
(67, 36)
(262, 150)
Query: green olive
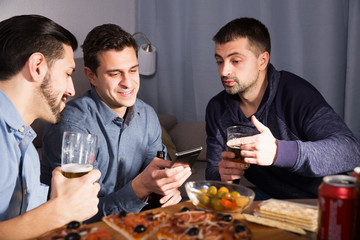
(212, 190)
(235, 194)
(223, 189)
(216, 204)
(204, 199)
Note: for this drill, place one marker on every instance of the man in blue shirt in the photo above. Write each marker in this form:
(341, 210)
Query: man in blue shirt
(129, 132)
(301, 138)
(36, 57)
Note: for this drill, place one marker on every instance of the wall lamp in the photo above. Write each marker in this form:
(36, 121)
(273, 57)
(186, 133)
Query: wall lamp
(146, 57)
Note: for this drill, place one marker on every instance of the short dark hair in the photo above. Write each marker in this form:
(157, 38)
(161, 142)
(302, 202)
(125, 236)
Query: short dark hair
(23, 35)
(103, 38)
(256, 32)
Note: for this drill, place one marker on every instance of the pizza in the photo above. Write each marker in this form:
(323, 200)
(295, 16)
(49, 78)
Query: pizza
(136, 225)
(185, 224)
(76, 231)
(202, 225)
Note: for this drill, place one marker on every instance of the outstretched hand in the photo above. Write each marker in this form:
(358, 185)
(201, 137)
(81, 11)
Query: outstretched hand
(260, 149)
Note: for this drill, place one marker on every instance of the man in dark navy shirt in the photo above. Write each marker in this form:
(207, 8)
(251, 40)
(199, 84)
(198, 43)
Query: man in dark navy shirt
(301, 137)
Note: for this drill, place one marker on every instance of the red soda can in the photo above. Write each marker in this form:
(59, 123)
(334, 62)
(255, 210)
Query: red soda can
(336, 198)
(356, 222)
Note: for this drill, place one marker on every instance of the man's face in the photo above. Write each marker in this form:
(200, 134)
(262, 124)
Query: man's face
(117, 80)
(58, 85)
(237, 66)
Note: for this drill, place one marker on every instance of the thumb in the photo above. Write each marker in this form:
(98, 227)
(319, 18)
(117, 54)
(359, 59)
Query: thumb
(259, 126)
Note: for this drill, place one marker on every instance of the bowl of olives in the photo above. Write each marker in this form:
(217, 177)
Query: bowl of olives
(219, 196)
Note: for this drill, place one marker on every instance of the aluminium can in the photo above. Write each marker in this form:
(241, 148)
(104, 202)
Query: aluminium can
(356, 222)
(336, 198)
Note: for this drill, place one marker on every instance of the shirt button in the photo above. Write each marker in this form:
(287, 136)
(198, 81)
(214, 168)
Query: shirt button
(21, 129)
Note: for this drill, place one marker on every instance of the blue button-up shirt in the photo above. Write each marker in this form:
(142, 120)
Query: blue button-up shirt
(20, 188)
(125, 147)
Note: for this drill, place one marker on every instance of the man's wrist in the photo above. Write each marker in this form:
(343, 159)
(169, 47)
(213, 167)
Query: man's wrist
(139, 189)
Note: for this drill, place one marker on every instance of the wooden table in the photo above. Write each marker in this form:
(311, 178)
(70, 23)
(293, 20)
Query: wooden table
(258, 231)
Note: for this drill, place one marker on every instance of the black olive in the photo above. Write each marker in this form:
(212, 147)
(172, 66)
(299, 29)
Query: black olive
(185, 209)
(72, 236)
(236, 221)
(240, 228)
(193, 231)
(73, 225)
(139, 228)
(122, 214)
(227, 218)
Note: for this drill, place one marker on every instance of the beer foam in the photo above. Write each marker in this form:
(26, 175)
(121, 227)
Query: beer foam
(76, 168)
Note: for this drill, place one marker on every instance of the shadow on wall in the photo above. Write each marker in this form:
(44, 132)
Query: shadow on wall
(81, 83)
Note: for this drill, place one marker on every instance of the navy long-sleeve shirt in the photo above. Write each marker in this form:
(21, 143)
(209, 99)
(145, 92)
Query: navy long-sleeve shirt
(313, 141)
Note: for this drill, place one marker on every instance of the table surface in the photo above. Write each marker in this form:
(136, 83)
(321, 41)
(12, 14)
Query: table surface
(258, 231)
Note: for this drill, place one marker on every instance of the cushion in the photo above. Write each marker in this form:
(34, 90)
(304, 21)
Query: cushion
(188, 135)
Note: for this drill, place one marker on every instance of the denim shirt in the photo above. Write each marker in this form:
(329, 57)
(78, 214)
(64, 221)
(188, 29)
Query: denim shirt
(20, 188)
(125, 147)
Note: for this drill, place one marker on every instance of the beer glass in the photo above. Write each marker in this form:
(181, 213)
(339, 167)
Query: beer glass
(234, 140)
(77, 154)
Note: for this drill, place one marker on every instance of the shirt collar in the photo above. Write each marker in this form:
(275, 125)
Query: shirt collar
(108, 114)
(10, 114)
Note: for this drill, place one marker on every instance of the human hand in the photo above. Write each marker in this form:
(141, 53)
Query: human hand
(76, 197)
(172, 198)
(259, 149)
(228, 169)
(159, 178)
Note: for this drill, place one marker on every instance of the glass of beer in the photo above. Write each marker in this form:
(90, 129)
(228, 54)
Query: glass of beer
(77, 154)
(235, 135)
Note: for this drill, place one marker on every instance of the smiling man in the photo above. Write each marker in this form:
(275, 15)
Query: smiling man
(36, 63)
(129, 132)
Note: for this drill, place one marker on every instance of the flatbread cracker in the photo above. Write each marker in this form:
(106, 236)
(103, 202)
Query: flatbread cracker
(273, 223)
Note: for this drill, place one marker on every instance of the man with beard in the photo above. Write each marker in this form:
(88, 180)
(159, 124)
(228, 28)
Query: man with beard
(36, 57)
(128, 129)
(301, 138)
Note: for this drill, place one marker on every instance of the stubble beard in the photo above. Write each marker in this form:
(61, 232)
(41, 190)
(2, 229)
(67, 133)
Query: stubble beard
(52, 99)
(239, 87)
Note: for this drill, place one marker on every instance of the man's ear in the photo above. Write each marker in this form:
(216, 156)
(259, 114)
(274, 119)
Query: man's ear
(90, 75)
(263, 60)
(37, 66)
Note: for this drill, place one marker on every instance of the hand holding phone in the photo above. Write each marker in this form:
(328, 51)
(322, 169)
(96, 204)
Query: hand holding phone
(186, 157)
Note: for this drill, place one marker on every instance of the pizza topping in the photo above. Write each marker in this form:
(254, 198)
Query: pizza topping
(73, 225)
(140, 228)
(240, 228)
(73, 236)
(227, 218)
(193, 231)
(185, 209)
(122, 214)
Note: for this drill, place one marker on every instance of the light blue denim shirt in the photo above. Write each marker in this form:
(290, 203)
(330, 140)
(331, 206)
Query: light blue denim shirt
(125, 148)
(20, 188)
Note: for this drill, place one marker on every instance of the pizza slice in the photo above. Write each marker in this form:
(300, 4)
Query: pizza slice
(203, 225)
(136, 225)
(76, 231)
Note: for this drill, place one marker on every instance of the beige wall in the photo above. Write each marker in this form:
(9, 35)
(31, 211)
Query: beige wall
(78, 16)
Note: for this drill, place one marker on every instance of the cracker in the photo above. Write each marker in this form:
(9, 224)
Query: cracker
(294, 210)
(274, 223)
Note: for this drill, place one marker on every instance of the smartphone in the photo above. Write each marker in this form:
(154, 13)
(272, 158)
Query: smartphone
(186, 157)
